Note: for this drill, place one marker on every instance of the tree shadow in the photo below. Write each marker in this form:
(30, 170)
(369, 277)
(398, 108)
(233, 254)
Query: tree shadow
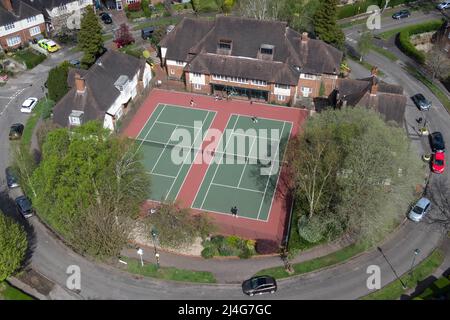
(421, 286)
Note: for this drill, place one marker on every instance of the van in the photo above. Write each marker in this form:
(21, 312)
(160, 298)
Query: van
(147, 32)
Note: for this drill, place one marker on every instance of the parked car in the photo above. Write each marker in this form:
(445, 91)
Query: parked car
(16, 130)
(76, 63)
(11, 178)
(443, 5)
(420, 209)
(438, 162)
(421, 102)
(259, 285)
(401, 14)
(49, 45)
(147, 32)
(24, 206)
(28, 105)
(106, 18)
(437, 142)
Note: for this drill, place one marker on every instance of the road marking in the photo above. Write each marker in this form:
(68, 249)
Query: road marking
(14, 96)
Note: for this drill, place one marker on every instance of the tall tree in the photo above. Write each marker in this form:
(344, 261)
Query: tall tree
(123, 36)
(13, 246)
(325, 25)
(438, 62)
(90, 39)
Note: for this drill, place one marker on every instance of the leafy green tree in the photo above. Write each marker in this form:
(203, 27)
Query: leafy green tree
(145, 7)
(90, 39)
(24, 165)
(325, 25)
(57, 81)
(365, 43)
(176, 226)
(13, 246)
(299, 13)
(90, 183)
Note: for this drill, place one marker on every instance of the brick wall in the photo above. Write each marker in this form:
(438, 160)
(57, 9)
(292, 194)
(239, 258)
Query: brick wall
(24, 35)
(174, 72)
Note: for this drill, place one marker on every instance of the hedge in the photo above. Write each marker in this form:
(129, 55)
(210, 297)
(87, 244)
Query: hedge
(404, 39)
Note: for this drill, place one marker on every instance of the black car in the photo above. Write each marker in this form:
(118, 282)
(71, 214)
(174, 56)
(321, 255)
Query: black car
(401, 14)
(437, 142)
(24, 206)
(421, 102)
(147, 32)
(259, 285)
(15, 132)
(76, 63)
(106, 18)
(11, 179)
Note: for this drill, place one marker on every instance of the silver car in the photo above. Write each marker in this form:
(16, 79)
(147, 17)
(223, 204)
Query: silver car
(420, 209)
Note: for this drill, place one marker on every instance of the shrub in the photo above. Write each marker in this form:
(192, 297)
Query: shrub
(209, 252)
(311, 229)
(404, 41)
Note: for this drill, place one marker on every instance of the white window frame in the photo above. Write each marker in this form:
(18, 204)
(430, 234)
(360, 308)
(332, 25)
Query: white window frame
(9, 26)
(259, 83)
(307, 76)
(238, 80)
(35, 30)
(306, 91)
(74, 121)
(31, 19)
(282, 86)
(11, 43)
(196, 75)
(281, 97)
(179, 63)
(197, 86)
(219, 77)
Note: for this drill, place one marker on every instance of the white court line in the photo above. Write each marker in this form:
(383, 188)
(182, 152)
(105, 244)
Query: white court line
(195, 156)
(221, 159)
(246, 162)
(140, 145)
(270, 173)
(160, 174)
(164, 149)
(233, 187)
(182, 165)
(180, 125)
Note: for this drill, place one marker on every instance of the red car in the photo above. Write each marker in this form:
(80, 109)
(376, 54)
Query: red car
(438, 162)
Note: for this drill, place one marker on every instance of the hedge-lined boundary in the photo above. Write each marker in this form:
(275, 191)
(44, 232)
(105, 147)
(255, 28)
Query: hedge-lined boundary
(360, 7)
(404, 38)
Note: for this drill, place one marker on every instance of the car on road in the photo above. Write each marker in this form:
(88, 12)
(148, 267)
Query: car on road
(24, 206)
(421, 102)
(11, 178)
(401, 14)
(75, 63)
(259, 285)
(106, 18)
(438, 162)
(437, 142)
(420, 209)
(443, 5)
(28, 105)
(15, 132)
(49, 45)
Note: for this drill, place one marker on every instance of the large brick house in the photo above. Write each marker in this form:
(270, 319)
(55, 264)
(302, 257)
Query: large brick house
(19, 23)
(251, 59)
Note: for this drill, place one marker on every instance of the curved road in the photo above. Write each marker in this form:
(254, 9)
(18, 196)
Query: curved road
(345, 281)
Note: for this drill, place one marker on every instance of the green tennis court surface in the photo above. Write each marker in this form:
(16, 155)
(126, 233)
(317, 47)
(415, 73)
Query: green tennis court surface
(243, 184)
(155, 141)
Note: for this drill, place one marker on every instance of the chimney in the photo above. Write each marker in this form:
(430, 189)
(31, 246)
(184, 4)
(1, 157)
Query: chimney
(374, 71)
(305, 37)
(374, 88)
(80, 83)
(7, 4)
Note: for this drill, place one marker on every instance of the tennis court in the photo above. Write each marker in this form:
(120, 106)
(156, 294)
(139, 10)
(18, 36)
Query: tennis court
(246, 168)
(156, 140)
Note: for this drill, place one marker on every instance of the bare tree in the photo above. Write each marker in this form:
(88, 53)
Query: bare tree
(439, 193)
(260, 9)
(438, 62)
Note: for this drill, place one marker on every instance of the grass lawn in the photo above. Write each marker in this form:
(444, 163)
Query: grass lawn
(7, 292)
(433, 88)
(107, 37)
(38, 111)
(391, 56)
(394, 290)
(160, 22)
(168, 273)
(29, 57)
(315, 264)
(390, 33)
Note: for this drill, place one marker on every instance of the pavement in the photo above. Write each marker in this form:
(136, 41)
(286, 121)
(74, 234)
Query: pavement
(344, 281)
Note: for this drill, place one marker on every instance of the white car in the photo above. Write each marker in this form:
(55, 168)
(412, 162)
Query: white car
(443, 5)
(28, 105)
(419, 210)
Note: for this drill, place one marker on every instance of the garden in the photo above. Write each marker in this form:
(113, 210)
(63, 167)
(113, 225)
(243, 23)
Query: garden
(29, 57)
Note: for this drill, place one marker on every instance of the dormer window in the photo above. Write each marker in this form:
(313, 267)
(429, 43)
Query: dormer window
(224, 46)
(76, 118)
(266, 52)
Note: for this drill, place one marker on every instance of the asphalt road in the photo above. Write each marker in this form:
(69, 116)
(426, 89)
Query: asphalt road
(346, 281)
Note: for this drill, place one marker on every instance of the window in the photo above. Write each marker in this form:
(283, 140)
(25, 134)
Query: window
(307, 76)
(225, 44)
(179, 63)
(196, 75)
(62, 8)
(197, 86)
(259, 83)
(306, 91)
(219, 77)
(238, 80)
(266, 49)
(9, 26)
(281, 86)
(172, 71)
(75, 118)
(35, 30)
(13, 41)
(280, 97)
(31, 19)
